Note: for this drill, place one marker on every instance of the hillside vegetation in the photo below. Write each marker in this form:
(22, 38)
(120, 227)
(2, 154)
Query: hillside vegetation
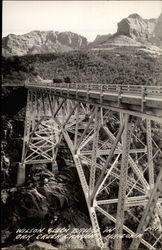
(120, 65)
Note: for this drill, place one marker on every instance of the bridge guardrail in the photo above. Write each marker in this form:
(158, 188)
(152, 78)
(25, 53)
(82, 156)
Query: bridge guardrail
(120, 89)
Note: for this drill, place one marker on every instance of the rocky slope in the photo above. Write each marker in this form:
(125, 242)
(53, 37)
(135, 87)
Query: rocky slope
(118, 40)
(158, 27)
(100, 39)
(136, 27)
(41, 42)
(136, 31)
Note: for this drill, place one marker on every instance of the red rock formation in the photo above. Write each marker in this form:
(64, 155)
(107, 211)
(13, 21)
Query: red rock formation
(42, 42)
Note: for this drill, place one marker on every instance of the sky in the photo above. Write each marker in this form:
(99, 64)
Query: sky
(87, 18)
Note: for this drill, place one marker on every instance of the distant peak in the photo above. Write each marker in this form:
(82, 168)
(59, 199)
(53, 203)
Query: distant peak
(135, 15)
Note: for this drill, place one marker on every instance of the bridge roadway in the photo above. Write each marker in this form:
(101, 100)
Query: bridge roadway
(133, 99)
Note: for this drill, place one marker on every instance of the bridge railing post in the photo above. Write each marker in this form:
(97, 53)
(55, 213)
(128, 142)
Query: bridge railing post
(119, 95)
(68, 87)
(101, 93)
(77, 86)
(61, 87)
(143, 100)
(54, 86)
(87, 91)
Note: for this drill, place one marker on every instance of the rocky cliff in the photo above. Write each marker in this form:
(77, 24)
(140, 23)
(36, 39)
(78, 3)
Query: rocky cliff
(158, 28)
(158, 32)
(131, 31)
(41, 42)
(134, 31)
(99, 40)
(136, 27)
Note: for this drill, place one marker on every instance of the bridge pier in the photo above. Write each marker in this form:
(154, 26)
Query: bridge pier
(21, 174)
(54, 166)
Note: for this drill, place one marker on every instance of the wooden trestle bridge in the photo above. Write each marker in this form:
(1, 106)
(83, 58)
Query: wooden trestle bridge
(108, 131)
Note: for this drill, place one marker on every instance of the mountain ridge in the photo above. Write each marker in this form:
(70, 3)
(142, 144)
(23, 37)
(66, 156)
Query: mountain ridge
(131, 31)
(42, 42)
(135, 31)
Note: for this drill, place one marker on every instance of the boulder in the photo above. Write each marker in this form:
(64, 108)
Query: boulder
(14, 247)
(39, 245)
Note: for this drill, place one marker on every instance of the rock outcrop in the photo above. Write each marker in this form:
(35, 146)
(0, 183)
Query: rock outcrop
(133, 31)
(39, 245)
(158, 31)
(36, 245)
(119, 40)
(158, 28)
(14, 247)
(136, 27)
(99, 40)
(42, 42)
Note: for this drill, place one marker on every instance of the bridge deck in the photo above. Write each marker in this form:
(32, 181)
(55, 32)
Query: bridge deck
(143, 99)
